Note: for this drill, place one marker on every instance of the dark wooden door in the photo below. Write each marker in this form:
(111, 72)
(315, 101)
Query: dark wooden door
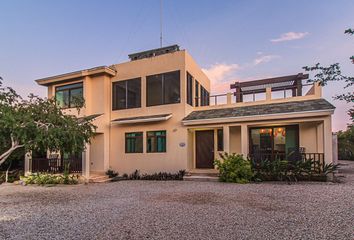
(205, 149)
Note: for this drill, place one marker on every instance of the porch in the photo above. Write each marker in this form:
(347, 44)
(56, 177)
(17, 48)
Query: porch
(300, 140)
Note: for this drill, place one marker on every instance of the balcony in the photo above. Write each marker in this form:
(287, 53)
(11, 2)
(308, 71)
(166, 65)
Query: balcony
(280, 89)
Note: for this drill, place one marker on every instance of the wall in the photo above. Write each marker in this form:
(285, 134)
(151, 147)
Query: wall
(235, 140)
(97, 153)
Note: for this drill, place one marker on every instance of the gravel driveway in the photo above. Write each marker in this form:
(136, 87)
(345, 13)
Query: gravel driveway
(179, 210)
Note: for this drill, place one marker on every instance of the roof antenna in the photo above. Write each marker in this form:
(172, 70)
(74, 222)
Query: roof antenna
(161, 23)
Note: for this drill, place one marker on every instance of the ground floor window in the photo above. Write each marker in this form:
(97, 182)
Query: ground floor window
(274, 142)
(220, 137)
(134, 142)
(156, 141)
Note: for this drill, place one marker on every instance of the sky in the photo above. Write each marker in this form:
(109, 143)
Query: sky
(230, 40)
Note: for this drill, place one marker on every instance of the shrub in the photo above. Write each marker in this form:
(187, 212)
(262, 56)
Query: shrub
(161, 176)
(111, 173)
(234, 168)
(46, 179)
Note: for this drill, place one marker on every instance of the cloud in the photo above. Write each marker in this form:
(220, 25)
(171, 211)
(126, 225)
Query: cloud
(264, 59)
(218, 72)
(289, 36)
(220, 75)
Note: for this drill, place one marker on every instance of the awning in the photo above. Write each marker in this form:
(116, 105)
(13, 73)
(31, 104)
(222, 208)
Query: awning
(143, 119)
(89, 118)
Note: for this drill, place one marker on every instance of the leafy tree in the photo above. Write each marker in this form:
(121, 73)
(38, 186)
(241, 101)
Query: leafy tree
(324, 75)
(38, 124)
(346, 143)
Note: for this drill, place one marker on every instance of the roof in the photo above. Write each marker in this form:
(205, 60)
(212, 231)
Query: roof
(258, 110)
(142, 119)
(77, 74)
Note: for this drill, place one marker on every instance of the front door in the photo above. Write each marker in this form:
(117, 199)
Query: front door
(205, 149)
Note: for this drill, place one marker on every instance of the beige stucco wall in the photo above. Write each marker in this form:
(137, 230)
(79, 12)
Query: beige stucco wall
(235, 139)
(97, 153)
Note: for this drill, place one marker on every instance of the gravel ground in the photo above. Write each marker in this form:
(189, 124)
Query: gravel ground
(180, 210)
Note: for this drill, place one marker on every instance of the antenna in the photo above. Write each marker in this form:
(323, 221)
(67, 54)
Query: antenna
(161, 23)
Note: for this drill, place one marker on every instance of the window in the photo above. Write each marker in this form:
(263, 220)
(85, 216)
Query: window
(69, 96)
(126, 94)
(220, 139)
(156, 141)
(196, 93)
(204, 98)
(189, 89)
(134, 142)
(163, 88)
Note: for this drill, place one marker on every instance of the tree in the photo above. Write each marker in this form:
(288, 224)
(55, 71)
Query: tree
(38, 124)
(346, 143)
(324, 75)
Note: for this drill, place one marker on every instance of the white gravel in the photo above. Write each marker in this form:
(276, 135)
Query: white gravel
(179, 210)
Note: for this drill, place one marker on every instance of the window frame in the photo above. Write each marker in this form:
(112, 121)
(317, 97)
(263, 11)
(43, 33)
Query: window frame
(163, 93)
(220, 139)
(67, 88)
(189, 94)
(115, 105)
(197, 84)
(156, 141)
(126, 137)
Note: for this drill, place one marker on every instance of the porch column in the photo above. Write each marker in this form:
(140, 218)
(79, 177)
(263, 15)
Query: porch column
(28, 157)
(226, 140)
(86, 162)
(244, 140)
(106, 150)
(327, 139)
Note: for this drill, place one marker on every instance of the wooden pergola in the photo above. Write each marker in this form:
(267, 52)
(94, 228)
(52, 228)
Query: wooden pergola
(291, 82)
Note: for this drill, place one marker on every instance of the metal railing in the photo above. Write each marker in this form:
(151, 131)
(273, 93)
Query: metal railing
(56, 165)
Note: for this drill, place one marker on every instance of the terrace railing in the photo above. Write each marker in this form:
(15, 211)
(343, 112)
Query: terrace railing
(316, 158)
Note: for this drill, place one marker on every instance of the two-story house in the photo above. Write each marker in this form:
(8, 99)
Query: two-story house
(155, 113)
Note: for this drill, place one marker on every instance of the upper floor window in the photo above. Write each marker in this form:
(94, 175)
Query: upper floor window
(204, 97)
(126, 94)
(156, 141)
(196, 93)
(189, 89)
(69, 96)
(163, 88)
(134, 142)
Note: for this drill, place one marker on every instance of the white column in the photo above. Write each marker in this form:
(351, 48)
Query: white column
(244, 140)
(226, 140)
(106, 150)
(28, 158)
(327, 139)
(86, 162)
(268, 94)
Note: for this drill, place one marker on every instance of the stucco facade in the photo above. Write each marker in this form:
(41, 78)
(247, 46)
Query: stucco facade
(108, 147)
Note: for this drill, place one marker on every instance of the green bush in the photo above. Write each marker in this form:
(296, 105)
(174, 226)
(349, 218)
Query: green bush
(111, 173)
(234, 168)
(161, 176)
(49, 179)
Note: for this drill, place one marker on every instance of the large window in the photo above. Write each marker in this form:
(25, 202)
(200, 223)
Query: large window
(196, 93)
(134, 142)
(156, 141)
(205, 97)
(69, 96)
(189, 89)
(127, 94)
(272, 143)
(163, 88)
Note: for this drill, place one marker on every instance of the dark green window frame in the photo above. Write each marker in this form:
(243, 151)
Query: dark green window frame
(69, 94)
(134, 142)
(155, 141)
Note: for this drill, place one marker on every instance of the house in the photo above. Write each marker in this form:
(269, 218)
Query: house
(155, 113)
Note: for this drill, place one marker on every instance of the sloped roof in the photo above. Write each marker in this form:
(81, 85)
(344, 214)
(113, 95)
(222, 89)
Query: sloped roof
(264, 109)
